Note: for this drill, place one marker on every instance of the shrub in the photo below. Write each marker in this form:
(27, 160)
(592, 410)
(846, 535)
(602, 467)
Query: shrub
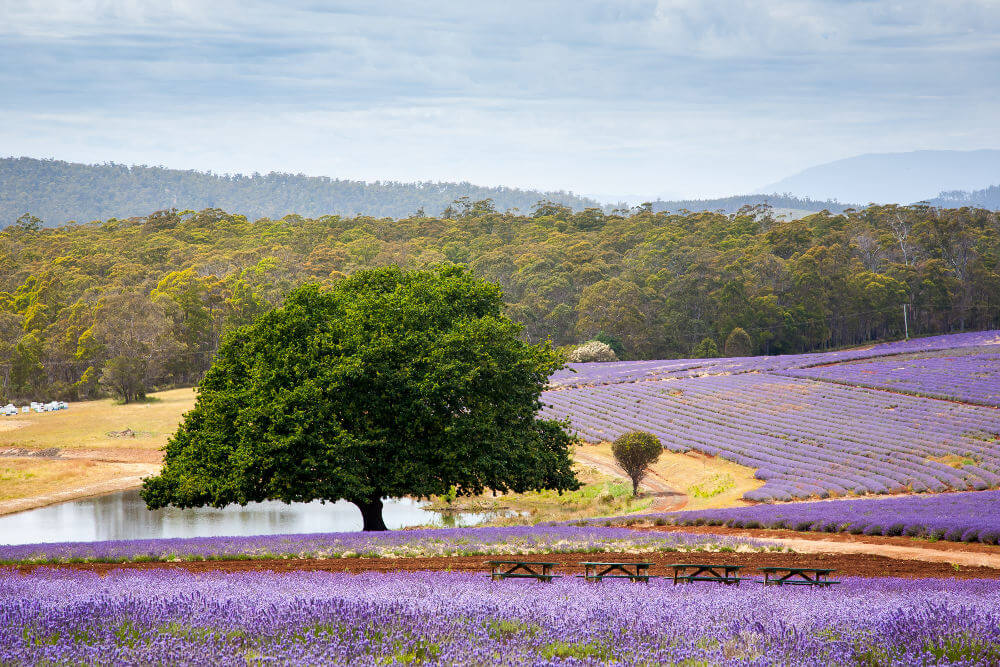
(635, 451)
(738, 344)
(895, 529)
(954, 534)
(706, 349)
(592, 350)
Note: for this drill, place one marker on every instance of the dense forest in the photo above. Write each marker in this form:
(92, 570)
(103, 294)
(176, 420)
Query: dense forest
(59, 192)
(122, 306)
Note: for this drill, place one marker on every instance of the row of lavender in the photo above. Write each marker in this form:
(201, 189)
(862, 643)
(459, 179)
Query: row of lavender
(396, 544)
(805, 438)
(965, 517)
(159, 617)
(972, 378)
(589, 374)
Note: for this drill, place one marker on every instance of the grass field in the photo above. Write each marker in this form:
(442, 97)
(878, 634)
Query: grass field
(90, 459)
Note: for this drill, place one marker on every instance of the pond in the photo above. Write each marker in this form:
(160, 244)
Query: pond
(123, 516)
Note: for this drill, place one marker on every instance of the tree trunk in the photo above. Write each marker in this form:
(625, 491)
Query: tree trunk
(635, 487)
(371, 514)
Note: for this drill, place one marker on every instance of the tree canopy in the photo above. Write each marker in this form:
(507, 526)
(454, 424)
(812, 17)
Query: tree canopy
(160, 290)
(388, 383)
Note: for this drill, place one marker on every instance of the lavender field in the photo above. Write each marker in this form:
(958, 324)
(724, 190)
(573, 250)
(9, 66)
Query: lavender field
(973, 378)
(395, 544)
(809, 438)
(159, 617)
(957, 517)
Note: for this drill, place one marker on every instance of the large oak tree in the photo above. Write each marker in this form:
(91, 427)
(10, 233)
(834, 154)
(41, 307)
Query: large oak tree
(390, 383)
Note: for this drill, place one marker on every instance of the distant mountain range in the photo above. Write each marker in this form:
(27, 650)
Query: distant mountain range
(59, 192)
(901, 178)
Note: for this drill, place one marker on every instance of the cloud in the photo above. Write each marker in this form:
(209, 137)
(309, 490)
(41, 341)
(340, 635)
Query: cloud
(709, 97)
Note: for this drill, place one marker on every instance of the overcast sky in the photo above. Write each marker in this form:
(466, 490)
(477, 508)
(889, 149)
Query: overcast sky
(672, 98)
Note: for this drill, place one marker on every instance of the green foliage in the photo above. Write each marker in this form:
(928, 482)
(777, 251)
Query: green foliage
(612, 342)
(706, 349)
(738, 344)
(712, 487)
(166, 287)
(579, 650)
(388, 383)
(635, 451)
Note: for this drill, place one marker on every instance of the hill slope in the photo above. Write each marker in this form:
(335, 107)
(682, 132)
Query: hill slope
(988, 198)
(58, 192)
(894, 177)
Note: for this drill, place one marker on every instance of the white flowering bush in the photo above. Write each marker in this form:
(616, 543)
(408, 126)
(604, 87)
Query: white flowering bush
(592, 350)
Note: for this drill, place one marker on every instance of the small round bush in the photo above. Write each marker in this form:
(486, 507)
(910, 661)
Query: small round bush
(592, 350)
(954, 534)
(989, 536)
(803, 525)
(895, 530)
(873, 529)
(971, 535)
(915, 530)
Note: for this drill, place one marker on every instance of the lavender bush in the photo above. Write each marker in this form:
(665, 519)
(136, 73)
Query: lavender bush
(60, 617)
(395, 544)
(966, 517)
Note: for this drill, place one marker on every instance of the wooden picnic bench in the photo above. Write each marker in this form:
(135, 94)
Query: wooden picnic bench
(797, 576)
(630, 571)
(521, 569)
(723, 574)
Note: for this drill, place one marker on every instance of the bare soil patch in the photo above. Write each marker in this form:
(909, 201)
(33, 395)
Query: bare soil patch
(853, 565)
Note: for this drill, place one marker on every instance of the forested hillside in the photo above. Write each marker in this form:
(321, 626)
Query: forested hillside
(988, 198)
(86, 309)
(58, 192)
(736, 202)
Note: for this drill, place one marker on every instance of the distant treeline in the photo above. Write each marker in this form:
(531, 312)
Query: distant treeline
(735, 203)
(126, 305)
(58, 192)
(988, 198)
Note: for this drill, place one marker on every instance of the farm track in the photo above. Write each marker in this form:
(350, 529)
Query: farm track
(667, 498)
(902, 548)
(853, 565)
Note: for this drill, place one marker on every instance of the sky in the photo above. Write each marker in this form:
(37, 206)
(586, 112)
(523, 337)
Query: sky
(636, 99)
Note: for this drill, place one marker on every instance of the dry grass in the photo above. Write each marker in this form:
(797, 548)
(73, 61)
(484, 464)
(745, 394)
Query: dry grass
(30, 477)
(84, 427)
(90, 461)
(693, 472)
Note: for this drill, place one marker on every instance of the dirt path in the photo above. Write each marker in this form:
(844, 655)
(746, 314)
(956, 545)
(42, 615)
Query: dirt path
(903, 548)
(856, 565)
(666, 498)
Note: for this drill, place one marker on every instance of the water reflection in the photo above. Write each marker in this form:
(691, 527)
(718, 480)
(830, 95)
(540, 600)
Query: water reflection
(123, 516)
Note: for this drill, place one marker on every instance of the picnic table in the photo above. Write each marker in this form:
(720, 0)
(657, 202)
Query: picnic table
(521, 569)
(630, 571)
(723, 574)
(797, 576)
